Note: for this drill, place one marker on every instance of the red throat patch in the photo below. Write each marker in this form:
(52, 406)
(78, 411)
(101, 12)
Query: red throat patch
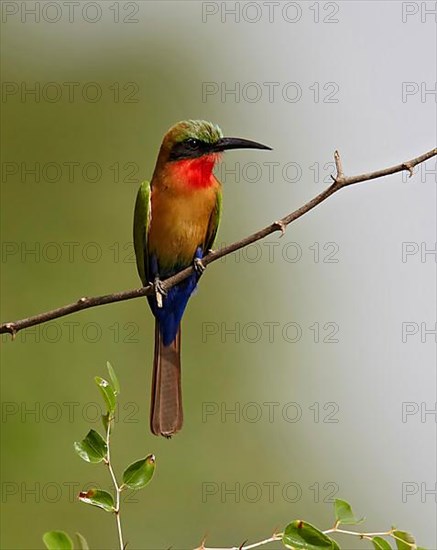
(195, 173)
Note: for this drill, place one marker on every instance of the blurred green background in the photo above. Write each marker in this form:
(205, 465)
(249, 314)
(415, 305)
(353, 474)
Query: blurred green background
(348, 61)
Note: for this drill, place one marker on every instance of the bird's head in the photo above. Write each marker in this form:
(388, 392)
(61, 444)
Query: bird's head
(194, 146)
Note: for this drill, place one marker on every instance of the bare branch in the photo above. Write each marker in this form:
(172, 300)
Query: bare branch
(340, 181)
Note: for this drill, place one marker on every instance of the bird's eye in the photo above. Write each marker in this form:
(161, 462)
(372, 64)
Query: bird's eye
(193, 143)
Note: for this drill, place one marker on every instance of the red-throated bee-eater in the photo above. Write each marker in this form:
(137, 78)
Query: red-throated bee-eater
(175, 224)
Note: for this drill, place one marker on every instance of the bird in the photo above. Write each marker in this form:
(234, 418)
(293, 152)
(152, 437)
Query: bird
(176, 218)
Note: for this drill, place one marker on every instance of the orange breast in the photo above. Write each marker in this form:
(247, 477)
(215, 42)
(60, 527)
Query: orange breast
(179, 221)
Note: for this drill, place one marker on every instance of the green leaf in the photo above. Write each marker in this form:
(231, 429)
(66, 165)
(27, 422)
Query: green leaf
(299, 534)
(57, 540)
(113, 377)
(404, 540)
(344, 514)
(380, 544)
(138, 474)
(99, 498)
(107, 392)
(93, 448)
(81, 541)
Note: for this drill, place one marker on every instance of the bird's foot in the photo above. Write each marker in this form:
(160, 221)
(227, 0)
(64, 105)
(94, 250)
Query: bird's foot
(160, 291)
(198, 265)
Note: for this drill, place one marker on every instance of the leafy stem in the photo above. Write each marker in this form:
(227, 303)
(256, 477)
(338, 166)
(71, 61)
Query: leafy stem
(302, 535)
(117, 488)
(297, 535)
(94, 448)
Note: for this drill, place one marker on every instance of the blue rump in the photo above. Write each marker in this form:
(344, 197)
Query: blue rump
(174, 303)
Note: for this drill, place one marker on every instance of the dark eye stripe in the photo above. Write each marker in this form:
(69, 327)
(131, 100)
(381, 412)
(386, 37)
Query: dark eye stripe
(189, 148)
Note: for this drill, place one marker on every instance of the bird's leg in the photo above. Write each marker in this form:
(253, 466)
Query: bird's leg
(159, 291)
(157, 283)
(198, 265)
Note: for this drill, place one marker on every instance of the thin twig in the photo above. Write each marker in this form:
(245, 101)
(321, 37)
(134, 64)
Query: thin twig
(274, 538)
(278, 536)
(362, 535)
(118, 489)
(340, 181)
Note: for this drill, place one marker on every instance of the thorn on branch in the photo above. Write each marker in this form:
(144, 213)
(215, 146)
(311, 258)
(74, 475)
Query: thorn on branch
(339, 168)
(10, 327)
(407, 166)
(242, 545)
(280, 226)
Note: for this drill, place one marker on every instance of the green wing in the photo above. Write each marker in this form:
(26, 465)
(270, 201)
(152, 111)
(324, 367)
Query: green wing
(214, 222)
(141, 229)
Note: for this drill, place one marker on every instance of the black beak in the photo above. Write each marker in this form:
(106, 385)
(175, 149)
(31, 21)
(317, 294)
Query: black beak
(237, 143)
